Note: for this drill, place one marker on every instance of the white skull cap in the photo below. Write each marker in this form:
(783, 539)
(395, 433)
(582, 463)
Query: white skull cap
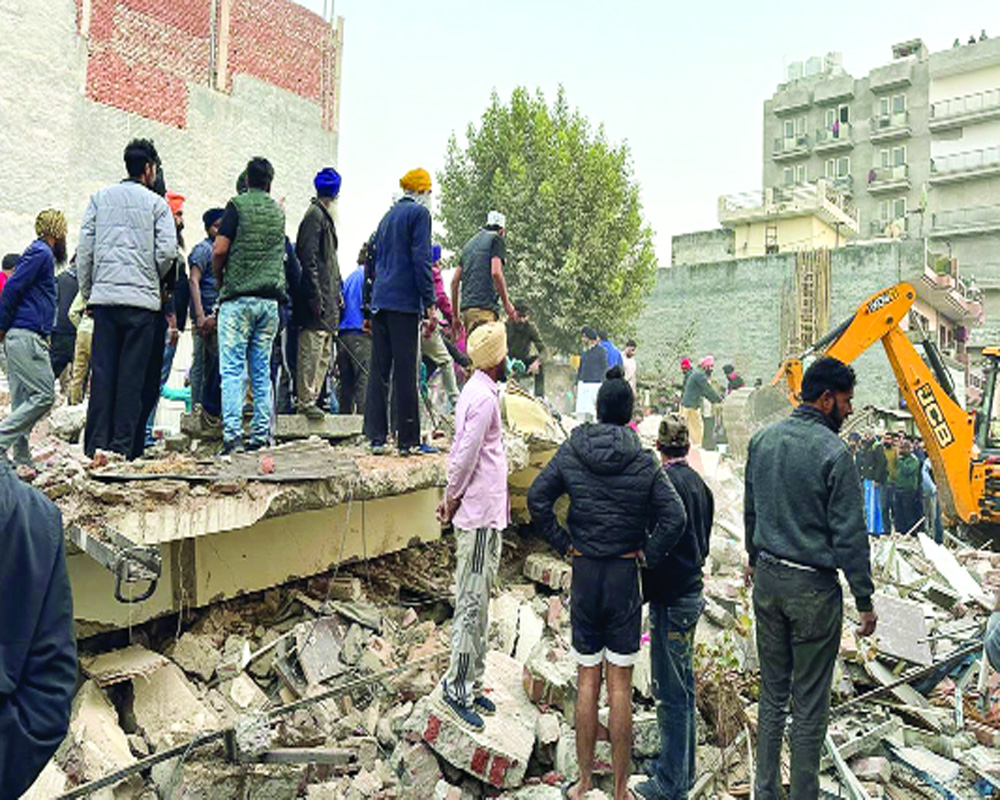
(496, 218)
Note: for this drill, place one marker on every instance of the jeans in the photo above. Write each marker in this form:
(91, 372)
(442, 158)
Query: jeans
(247, 326)
(32, 389)
(672, 628)
(197, 367)
(887, 499)
(799, 614)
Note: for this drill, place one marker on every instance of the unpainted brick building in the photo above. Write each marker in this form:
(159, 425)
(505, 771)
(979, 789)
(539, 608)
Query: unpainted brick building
(212, 82)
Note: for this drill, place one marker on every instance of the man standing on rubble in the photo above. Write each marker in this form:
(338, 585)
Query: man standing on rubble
(804, 520)
(674, 592)
(27, 313)
(478, 285)
(698, 390)
(476, 503)
(617, 494)
(354, 343)
(317, 309)
(37, 647)
(522, 334)
(128, 243)
(248, 259)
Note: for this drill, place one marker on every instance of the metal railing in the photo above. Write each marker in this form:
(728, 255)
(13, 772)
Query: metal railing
(790, 144)
(972, 217)
(966, 161)
(966, 104)
(890, 228)
(777, 199)
(734, 203)
(890, 121)
(900, 172)
(844, 132)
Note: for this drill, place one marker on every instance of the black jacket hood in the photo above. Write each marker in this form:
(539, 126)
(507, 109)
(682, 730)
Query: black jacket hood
(604, 448)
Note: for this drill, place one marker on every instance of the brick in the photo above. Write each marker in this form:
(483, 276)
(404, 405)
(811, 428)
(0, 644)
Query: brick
(497, 755)
(548, 571)
(872, 768)
(549, 677)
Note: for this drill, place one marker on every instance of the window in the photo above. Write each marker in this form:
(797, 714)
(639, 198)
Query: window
(841, 113)
(794, 176)
(789, 129)
(838, 167)
(788, 176)
(800, 126)
(898, 103)
(845, 113)
(892, 210)
(800, 174)
(896, 157)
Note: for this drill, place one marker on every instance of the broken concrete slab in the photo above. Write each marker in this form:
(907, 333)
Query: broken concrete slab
(549, 570)
(51, 782)
(332, 426)
(318, 645)
(903, 629)
(196, 654)
(95, 745)
(905, 693)
(503, 614)
(417, 769)
(122, 665)
(530, 628)
(497, 755)
(243, 693)
(168, 709)
(872, 768)
(549, 676)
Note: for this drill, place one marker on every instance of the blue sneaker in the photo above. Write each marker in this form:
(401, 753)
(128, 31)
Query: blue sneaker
(484, 705)
(648, 790)
(463, 714)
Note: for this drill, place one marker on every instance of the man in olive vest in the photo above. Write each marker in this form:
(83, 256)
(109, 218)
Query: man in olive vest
(478, 286)
(248, 259)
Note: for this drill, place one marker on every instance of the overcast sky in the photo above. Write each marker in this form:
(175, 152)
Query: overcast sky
(682, 82)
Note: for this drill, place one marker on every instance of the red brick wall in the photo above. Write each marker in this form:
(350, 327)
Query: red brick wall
(145, 53)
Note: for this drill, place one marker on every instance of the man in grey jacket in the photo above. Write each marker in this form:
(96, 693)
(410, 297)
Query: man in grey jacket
(804, 520)
(128, 243)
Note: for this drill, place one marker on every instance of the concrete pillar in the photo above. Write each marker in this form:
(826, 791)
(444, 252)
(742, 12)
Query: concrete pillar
(222, 47)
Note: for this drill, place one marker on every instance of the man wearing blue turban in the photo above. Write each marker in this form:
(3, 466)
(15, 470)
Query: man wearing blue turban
(317, 306)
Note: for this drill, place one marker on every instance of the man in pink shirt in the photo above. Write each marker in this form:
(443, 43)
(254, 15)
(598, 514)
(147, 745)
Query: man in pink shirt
(476, 503)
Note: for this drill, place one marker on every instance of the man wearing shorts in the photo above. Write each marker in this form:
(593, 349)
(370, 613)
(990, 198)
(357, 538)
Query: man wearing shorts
(621, 505)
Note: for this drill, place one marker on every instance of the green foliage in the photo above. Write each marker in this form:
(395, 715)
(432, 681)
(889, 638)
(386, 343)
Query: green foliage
(578, 249)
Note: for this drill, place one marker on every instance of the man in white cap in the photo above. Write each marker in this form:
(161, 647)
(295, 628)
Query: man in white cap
(478, 286)
(697, 389)
(476, 503)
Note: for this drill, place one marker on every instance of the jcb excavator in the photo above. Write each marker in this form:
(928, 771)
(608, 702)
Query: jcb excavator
(964, 447)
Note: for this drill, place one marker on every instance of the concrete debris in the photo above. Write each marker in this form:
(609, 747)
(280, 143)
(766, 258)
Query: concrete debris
(499, 754)
(95, 745)
(122, 665)
(196, 654)
(168, 710)
(549, 571)
(530, 627)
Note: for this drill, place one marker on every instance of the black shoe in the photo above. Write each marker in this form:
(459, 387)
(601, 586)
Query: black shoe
(314, 413)
(465, 715)
(253, 446)
(484, 706)
(234, 446)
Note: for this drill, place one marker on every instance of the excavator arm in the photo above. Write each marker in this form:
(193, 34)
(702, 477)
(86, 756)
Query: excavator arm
(947, 429)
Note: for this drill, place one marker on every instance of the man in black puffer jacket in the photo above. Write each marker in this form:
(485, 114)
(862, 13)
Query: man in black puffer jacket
(618, 493)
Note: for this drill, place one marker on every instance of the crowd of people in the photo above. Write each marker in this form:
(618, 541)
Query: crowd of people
(280, 316)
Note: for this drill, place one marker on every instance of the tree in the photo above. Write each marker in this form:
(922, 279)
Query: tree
(579, 251)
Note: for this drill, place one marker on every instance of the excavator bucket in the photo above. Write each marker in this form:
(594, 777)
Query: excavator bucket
(747, 410)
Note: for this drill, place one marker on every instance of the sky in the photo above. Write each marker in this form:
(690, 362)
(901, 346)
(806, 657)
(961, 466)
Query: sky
(683, 83)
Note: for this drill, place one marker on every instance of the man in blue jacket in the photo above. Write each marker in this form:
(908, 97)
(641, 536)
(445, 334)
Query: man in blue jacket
(37, 648)
(27, 314)
(403, 291)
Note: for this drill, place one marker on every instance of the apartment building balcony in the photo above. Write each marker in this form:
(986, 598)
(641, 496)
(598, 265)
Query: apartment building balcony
(964, 110)
(890, 127)
(946, 291)
(819, 199)
(889, 228)
(965, 221)
(836, 139)
(788, 148)
(889, 179)
(895, 75)
(965, 166)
